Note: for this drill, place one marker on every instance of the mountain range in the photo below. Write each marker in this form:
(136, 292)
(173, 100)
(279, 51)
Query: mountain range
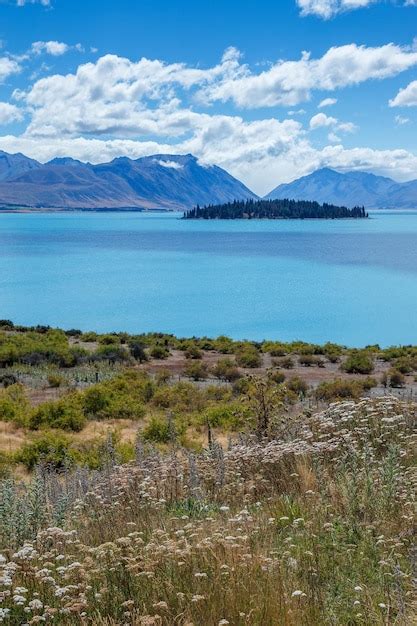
(350, 189)
(177, 182)
(173, 182)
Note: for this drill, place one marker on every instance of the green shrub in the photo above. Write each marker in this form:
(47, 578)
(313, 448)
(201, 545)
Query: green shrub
(49, 448)
(339, 389)
(286, 362)
(65, 414)
(229, 415)
(225, 369)
(277, 376)
(196, 370)
(359, 362)
(14, 406)
(158, 431)
(55, 380)
(159, 352)
(248, 356)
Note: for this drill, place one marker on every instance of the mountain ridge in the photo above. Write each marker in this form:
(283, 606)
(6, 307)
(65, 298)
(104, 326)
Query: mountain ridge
(161, 181)
(349, 189)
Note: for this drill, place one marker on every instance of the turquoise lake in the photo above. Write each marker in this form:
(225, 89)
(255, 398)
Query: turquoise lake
(348, 281)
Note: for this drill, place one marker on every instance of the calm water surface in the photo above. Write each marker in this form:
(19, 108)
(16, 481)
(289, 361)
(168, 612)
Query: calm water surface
(353, 281)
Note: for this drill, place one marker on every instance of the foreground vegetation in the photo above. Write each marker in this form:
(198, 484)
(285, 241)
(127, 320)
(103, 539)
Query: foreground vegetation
(274, 209)
(155, 480)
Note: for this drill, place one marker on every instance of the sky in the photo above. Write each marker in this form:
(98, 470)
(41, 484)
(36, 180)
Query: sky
(270, 90)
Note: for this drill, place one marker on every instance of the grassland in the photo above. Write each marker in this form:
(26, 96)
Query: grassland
(155, 480)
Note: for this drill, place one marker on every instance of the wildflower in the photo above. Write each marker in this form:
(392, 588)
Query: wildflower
(382, 605)
(223, 622)
(200, 575)
(358, 589)
(297, 593)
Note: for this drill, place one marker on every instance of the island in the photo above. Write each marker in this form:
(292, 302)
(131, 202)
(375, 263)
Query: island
(273, 210)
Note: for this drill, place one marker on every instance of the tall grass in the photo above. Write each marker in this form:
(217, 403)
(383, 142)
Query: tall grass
(313, 528)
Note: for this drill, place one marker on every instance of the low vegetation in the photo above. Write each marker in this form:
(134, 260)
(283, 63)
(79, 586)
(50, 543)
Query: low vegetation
(150, 479)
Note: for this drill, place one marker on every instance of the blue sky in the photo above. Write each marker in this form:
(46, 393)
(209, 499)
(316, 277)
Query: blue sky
(269, 90)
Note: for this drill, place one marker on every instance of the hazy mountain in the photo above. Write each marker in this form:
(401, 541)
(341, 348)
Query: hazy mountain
(12, 165)
(159, 181)
(350, 189)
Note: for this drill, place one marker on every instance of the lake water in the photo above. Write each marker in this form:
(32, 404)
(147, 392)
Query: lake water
(350, 281)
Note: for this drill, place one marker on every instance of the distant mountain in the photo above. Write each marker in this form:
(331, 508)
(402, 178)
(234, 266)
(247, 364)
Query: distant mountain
(157, 182)
(350, 189)
(12, 165)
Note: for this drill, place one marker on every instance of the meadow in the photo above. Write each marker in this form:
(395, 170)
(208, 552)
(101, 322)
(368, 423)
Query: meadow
(150, 479)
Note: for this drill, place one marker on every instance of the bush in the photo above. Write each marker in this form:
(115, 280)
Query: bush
(159, 352)
(112, 353)
(225, 369)
(277, 376)
(49, 448)
(339, 389)
(396, 378)
(55, 380)
(358, 363)
(309, 360)
(65, 414)
(248, 356)
(158, 431)
(229, 415)
(14, 405)
(137, 351)
(196, 370)
(286, 362)
(8, 379)
(297, 385)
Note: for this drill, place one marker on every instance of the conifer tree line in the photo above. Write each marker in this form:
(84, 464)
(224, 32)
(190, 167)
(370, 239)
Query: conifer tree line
(274, 209)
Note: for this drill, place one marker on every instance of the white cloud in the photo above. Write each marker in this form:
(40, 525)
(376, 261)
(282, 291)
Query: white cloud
(291, 82)
(8, 67)
(9, 113)
(327, 9)
(118, 107)
(22, 3)
(400, 120)
(174, 165)
(406, 97)
(55, 48)
(321, 120)
(327, 102)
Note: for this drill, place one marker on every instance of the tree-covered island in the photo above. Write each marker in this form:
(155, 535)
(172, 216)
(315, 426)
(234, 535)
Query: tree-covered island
(274, 209)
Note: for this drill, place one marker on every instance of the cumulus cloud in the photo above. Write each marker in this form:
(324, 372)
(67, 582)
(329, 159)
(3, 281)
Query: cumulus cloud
(327, 102)
(115, 106)
(406, 97)
(8, 67)
(291, 82)
(321, 120)
(55, 48)
(327, 9)
(9, 113)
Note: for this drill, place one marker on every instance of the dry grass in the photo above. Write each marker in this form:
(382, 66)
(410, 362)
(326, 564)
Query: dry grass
(313, 529)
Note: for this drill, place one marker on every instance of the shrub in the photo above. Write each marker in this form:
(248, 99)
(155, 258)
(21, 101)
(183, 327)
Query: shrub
(159, 352)
(193, 352)
(359, 362)
(196, 370)
(297, 385)
(248, 356)
(49, 448)
(229, 415)
(14, 405)
(225, 369)
(65, 414)
(396, 378)
(309, 360)
(339, 389)
(112, 353)
(277, 376)
(55, 380)
(286, 362)
(137, 351)
(158, 431)
(8, 379)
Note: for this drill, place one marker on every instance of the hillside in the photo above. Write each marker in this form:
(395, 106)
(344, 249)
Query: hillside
(173, 182)
(350, 189)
